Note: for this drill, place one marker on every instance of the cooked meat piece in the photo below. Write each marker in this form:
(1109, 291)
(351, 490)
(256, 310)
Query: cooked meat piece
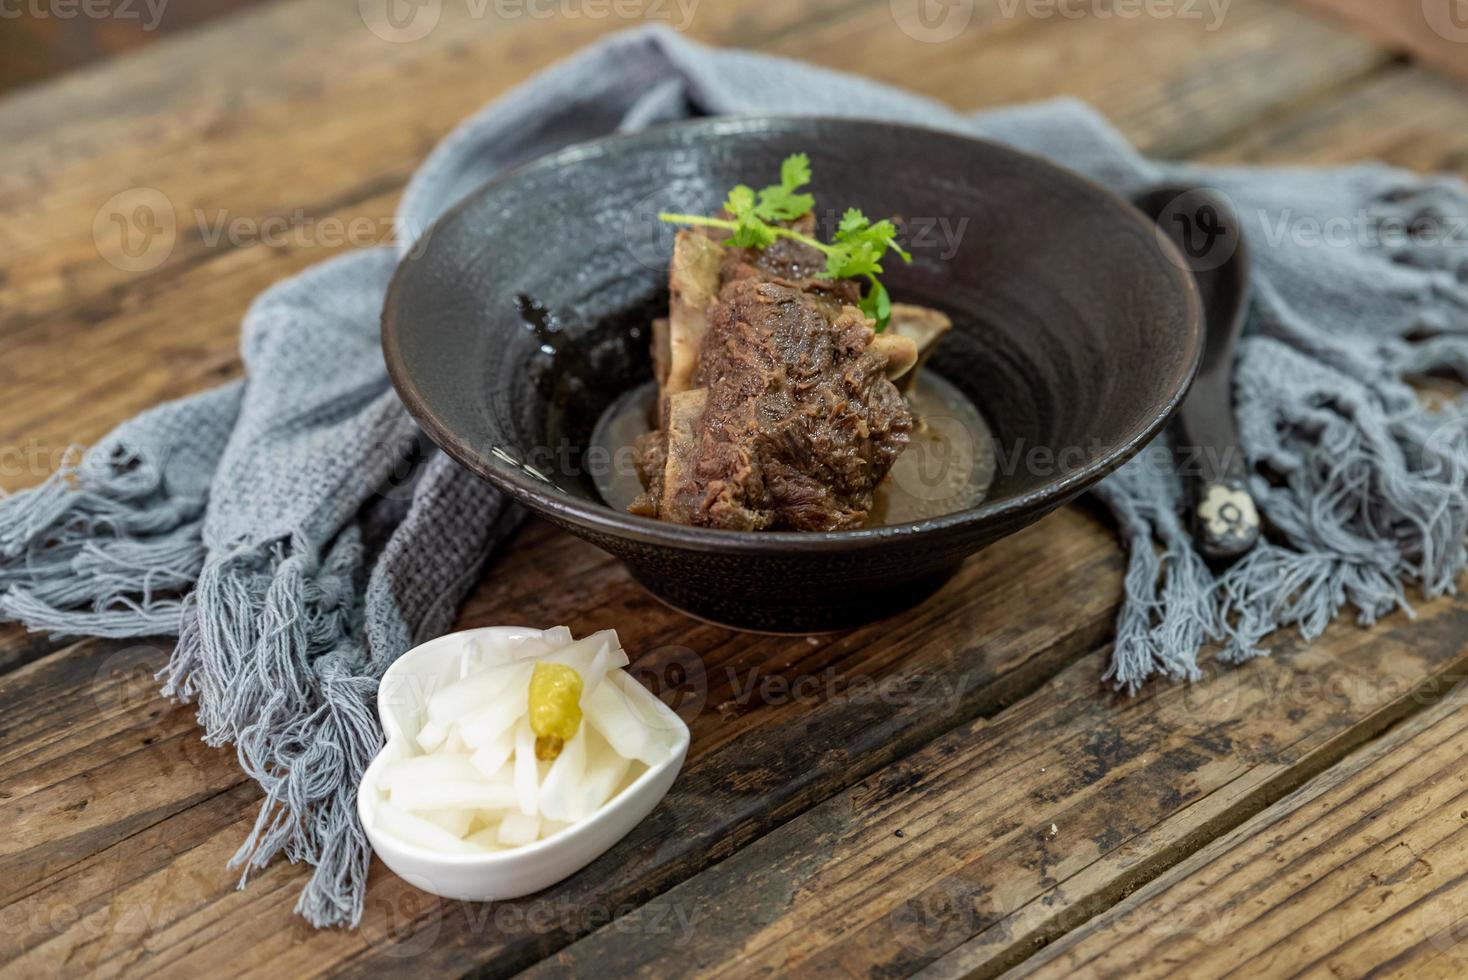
(794, 263)
(650, 456)
(800, 422)
(793, 420)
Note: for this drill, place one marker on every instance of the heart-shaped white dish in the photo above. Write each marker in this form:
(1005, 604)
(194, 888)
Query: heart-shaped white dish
(402, 699)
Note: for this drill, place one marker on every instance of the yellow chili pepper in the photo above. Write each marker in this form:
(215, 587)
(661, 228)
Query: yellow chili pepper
(555, 708)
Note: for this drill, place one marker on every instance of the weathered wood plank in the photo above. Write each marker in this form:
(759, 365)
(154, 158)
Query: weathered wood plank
(1185, 83)
(41, 40)
(1357, 873)
(325, 112)
(1012, 829)
(147, 889)
(1407, 117)
(1435, 32)
(819, 894)
(856, 704)
(171, 330)
(17, 647)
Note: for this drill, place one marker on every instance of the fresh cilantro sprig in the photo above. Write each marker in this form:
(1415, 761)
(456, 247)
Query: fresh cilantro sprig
(856, 250)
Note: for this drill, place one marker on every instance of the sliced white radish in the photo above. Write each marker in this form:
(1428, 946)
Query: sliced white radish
(622, 717)
(502, 709)
(488, 818)
(479, 783)
(431, 736)
(435, 767)
(604, 771)
(488, 839)
(660, 722)
(473, 692)
(412, 829)
(499, 713)
(517, 828)
(634, 773)
(562, 786)
(490, 759)
(558, 636)
(591, 657)
(527, 773)
(476, 794)
(455, 822)
(549, 828)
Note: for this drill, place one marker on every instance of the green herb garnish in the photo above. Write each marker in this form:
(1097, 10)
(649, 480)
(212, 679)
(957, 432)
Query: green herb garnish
(856, 251)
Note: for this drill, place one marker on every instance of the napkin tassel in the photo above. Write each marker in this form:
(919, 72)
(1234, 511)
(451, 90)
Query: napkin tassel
(272, 653)
(109, 542)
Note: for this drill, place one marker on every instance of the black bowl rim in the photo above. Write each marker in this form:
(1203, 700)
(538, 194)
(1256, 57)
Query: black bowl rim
(604, 519)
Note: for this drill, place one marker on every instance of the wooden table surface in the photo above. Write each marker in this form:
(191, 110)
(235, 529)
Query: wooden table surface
(952, 791)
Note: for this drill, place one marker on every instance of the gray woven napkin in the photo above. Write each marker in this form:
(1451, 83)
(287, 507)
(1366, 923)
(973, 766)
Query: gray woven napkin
(297, 534)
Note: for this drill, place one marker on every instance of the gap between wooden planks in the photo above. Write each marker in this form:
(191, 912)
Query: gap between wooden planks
(828, 898)
(234, 149)
(819, 894)
(1012, 830)
(1358, 873)
(85, 730)
(1434, 32)
(273, 904)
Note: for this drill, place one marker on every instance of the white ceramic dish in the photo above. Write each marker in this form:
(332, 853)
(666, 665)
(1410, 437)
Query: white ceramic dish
(403, 692)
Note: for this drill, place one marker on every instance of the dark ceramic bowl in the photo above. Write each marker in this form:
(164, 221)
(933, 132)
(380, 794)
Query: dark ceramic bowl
(525, 313)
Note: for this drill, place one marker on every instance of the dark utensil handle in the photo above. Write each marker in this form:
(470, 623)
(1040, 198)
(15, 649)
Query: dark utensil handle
(1225, 517)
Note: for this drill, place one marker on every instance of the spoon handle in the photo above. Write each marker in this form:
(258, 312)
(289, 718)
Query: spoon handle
(1209, 239)
(1225, 517)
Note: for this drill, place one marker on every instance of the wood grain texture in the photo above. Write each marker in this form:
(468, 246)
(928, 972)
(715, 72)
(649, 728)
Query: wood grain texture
(1434, 32)
(42, 39)
(857, 704)
(68, 150)
(1185, 82)
(1012, 830)
(809, 754)
(818, 895)
(1359, 872)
